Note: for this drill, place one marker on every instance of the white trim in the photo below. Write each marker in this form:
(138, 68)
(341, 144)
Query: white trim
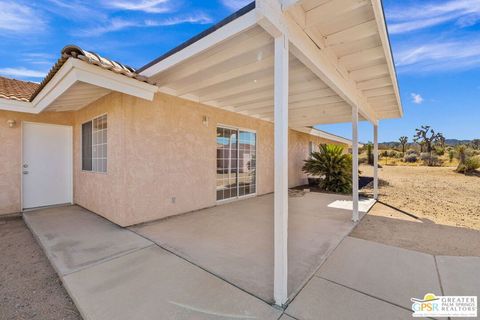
(237, 197)
(81, 145)
(324, 135)
(222, 34)
(280, 272)
(382, 30)
(72, 71)
(71, 169)
(375, 162)
(355, 212)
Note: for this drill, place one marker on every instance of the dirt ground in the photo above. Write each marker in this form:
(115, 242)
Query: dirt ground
(29, 287)
(446, 204)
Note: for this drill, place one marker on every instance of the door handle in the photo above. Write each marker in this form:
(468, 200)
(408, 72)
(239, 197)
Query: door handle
(25, 172)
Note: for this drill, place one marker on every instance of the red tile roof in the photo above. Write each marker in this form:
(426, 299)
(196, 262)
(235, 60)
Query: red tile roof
(16, 89)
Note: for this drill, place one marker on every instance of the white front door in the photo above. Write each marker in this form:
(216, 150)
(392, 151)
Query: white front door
(47, 165)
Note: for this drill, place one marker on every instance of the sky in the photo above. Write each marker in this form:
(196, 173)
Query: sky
(435, 44)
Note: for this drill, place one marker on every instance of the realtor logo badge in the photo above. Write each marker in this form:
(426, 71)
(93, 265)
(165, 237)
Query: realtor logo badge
(444, 306)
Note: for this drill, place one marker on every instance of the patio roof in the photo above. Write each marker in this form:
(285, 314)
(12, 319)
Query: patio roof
(340, 55)
(296, 63)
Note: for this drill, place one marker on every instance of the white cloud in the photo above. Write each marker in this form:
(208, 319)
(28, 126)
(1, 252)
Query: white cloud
(428, 14)
(439, 55)
(149, 6)
(121, 24)
(19, 18)
(416, 98)
(235, 4)
(22, 72)
(200, 18)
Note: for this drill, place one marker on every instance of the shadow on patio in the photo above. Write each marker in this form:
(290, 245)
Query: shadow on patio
(235, 240)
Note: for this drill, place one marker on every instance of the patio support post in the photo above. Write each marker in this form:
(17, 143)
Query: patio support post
(280, 292)
(355, 216)
(375, 161)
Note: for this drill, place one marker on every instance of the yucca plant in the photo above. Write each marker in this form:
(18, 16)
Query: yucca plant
(333, 166)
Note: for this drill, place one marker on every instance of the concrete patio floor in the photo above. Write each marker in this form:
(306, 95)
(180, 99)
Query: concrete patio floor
(113, 273)
(234, 241)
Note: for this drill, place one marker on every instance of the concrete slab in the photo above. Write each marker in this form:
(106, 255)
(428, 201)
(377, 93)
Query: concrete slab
(75, 238)
(322, 299)
(154, 284)
(235, 240)
(286, 317)
(460, 276)
(364, 204)
(389, 273)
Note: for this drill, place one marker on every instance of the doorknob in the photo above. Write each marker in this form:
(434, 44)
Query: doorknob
(25, 165)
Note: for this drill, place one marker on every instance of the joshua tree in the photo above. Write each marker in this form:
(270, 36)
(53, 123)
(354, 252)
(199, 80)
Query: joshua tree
(403, 141)
(441, 140)
(426, 136)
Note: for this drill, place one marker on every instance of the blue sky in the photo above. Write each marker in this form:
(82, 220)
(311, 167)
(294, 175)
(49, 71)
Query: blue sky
(436, 45)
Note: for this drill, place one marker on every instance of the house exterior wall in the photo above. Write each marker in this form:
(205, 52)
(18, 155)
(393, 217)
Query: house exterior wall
(161, 157)
(11, 153)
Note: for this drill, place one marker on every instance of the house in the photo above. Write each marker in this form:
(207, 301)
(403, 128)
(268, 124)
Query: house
(224, 116)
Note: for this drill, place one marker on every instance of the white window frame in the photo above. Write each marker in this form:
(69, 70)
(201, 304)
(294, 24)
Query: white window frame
(81, 144)
(237, 197)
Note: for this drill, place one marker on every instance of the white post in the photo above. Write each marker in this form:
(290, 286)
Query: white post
(355, 216)
(280, 292)
(375, 161)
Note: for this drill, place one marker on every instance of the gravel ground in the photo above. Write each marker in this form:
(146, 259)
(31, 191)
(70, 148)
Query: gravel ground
(29, 287)
(446, 204)
(438, 194)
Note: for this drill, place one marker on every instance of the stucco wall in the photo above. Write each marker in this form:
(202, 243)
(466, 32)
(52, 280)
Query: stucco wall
(11, 153)
(161, 157)
(171, 155)
(102, 193)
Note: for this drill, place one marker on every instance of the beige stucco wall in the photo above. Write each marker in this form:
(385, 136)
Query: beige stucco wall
(161, 157)
(11, 153)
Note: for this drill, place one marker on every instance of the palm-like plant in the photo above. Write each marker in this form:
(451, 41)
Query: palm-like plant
(333, 165)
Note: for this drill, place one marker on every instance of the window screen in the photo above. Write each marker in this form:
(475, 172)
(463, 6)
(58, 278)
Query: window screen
(94, 145)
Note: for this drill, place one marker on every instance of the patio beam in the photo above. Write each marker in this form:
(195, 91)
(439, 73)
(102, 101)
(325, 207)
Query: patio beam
(355, 215)
(273, 19)
(375, 162)
(280, 292)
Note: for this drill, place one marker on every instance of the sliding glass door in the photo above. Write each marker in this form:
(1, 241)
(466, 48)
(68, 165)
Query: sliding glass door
(236, 163)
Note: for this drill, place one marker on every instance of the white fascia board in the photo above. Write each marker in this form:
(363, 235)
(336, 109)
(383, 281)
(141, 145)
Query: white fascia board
(288, 3)
(72, 71)
(325, 135)
(16, 106)
(382, 29)
(274, 21)
(222, 34)
(99, 77)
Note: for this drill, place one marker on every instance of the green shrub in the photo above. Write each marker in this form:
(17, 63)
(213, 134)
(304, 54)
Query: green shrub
(411, 151)
(430, 159)
(469, 165)
(451, 154)
(412, 157)
(333, 165)
(439, 151)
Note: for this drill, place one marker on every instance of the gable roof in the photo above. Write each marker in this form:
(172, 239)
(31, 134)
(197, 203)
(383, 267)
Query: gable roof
(13, 89)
